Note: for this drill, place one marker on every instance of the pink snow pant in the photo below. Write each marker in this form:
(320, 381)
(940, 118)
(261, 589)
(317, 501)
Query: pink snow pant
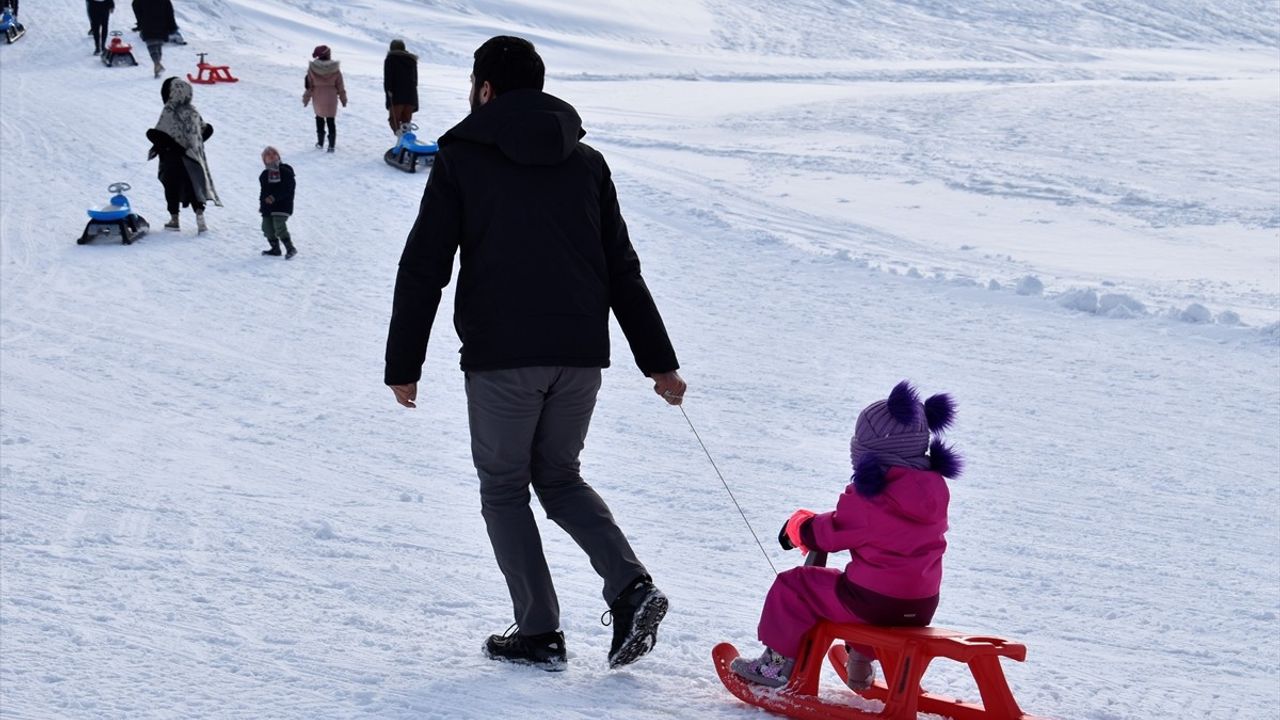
(799, 598)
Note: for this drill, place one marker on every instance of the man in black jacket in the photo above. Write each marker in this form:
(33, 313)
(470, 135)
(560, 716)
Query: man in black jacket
(545, 257)
(400, 83)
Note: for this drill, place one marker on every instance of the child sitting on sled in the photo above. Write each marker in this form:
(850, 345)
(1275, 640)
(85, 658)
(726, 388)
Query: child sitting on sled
(891, 519)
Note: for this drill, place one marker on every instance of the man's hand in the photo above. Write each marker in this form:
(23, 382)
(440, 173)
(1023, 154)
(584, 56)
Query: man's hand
(406, 395)
(669, 386)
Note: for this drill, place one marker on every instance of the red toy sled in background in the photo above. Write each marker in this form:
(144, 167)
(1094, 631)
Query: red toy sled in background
(118, 52)
(904, 655)
(207, 74)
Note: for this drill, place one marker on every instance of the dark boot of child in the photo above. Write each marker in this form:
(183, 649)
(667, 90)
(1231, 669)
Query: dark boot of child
(289, 250)
(275, 248)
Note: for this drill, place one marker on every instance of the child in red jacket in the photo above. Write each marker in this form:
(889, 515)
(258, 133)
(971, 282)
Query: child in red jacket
(891, 519)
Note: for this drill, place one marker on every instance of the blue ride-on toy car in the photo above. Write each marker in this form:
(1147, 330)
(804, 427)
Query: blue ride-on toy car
(115, 218)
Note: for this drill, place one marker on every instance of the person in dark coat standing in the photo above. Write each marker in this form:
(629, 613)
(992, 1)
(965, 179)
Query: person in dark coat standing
(545, 258)
(178, 140)
(400, 82)
(156, 24)
(99, 22)
(275, 202)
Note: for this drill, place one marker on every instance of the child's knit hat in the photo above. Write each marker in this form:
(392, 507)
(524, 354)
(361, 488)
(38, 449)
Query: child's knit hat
(896, 433)
(321, 52)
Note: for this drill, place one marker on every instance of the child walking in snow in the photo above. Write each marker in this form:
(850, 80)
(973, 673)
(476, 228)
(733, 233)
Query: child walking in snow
(324, 89)
(275, 202)
(891, 518)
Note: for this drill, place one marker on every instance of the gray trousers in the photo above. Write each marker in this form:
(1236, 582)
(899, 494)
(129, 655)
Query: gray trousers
(276, 229)
(528, 426)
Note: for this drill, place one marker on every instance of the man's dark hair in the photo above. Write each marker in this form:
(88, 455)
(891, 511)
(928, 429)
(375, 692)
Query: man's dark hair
(508, 63)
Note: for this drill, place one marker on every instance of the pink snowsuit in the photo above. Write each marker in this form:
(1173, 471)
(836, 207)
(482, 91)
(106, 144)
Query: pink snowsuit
(896, 540)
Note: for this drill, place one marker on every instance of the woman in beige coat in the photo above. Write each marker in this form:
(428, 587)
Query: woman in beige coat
(324, 89)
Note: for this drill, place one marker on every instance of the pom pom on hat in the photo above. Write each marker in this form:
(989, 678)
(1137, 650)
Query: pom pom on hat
(868, 476)
(939, 412)
(903, 403)
(944, 460)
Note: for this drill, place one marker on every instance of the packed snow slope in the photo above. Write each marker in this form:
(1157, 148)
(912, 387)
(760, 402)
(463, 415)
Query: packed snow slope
(1064, 213)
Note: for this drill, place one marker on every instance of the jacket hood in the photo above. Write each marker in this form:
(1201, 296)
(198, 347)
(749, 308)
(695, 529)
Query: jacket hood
(176, 91)
(402, 54)
(920, 496)
(529, 126)
(324, 67)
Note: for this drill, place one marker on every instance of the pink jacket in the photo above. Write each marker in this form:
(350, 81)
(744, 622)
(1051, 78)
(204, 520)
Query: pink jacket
(324, 88)
(896, 537)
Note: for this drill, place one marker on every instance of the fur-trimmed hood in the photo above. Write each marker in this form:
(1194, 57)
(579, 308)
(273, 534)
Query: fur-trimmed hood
(324, 67)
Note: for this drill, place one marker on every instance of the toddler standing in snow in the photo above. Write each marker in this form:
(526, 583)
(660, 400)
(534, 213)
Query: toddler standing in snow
(891, 519)
(275, 202)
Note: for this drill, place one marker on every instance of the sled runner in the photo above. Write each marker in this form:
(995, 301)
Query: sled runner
(410, 153)
(10, 26)
(118, 52)
(208, 74)
(115, 218)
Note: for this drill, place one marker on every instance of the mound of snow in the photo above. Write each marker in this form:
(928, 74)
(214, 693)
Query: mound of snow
(1030, 285)
(1082, 300)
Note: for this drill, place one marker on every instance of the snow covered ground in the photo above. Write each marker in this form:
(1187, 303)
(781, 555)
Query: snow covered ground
(1067, 214)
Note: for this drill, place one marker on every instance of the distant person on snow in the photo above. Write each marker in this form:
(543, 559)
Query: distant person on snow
(156, 24)
(323, 88)
(400, 82)
(891, 518)
(99, 20)
(275, 202)
(178, 140)
(545, 257)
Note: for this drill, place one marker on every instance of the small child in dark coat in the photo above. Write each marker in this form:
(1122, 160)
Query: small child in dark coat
(275, 202)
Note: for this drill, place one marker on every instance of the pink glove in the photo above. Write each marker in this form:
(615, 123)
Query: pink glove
(797, 519)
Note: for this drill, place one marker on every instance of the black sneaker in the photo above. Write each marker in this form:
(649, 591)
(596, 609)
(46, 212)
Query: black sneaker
(274, 252)
(636, 614)
(545, 651)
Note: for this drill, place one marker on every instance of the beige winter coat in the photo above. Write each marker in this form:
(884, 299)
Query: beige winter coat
(324, 88)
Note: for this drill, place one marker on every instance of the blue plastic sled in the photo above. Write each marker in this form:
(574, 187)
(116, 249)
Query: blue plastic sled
(115, 218)
(409, 153)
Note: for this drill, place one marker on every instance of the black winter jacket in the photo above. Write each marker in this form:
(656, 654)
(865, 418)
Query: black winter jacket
(545, 252)
(400, 78)
(155, 19)
(280, 189)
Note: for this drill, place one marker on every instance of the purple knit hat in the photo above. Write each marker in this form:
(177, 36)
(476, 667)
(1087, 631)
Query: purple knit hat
(896, 433)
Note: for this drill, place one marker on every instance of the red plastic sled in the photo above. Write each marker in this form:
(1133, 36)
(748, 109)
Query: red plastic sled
(207, 74)
(904, 655)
